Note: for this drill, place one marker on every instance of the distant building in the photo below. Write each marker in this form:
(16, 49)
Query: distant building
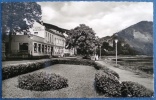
(41, 40)
(70, 52)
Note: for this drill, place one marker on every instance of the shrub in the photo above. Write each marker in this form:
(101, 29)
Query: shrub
(42, 82)
(107, 84)
(9, 71)
(106, 69)
(86, 57)
(132, 89)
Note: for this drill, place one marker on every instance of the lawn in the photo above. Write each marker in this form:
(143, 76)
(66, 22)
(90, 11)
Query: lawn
(136, 63)
(80, 81)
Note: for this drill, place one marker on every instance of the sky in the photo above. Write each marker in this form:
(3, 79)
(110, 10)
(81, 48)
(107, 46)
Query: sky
(105, 18)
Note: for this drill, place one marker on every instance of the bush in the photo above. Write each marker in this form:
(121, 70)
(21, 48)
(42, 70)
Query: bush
(42, 82)
(86, 57)
(9, 71)
(107, 84)
(105, 69)
(132, 89)
(73, 61)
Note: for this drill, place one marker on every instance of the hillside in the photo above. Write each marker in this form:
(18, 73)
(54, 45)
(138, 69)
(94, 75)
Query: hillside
(138, 37)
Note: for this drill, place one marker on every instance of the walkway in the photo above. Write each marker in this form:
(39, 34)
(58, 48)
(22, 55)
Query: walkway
(126, 75)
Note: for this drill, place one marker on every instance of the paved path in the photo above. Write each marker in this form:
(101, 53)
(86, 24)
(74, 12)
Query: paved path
(126, 75)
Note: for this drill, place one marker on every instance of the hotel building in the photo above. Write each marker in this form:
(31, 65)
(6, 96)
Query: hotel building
(41, 40)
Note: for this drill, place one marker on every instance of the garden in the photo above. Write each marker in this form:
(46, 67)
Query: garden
(66, 78)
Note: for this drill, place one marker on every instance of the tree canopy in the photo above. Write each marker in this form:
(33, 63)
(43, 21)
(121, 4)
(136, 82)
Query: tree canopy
(83, 38)
(19, 16)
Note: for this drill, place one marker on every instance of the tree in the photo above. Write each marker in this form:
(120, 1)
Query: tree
(83, 38)
(19, 16)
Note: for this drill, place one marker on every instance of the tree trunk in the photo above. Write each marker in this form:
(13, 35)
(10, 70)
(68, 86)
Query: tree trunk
(9, 44)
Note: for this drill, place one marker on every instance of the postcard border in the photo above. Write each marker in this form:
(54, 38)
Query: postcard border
(154, 49)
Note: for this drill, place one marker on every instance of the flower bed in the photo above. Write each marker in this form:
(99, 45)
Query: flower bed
(42, 82)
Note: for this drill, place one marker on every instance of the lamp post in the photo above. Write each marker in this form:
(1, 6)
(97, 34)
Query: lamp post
(100, 52)
(116, 41)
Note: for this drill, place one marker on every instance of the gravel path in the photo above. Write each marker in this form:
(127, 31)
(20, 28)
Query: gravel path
(80, 80)
(126, 75)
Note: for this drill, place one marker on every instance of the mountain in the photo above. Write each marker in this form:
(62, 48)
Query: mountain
(137, 38)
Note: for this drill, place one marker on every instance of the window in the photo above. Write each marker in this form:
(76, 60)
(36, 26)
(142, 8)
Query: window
(46, 34)
(55, 40)
(48, 49)
(14, 33)
(35, 47)
(25, 33)
(50, 37)
(51, 50)
(21, 32)
(39, 48)
(35, 32)
(23, 46)
(43, 48)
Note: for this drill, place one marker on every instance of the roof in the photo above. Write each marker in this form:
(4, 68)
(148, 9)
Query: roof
(55, 33)
(50, 26)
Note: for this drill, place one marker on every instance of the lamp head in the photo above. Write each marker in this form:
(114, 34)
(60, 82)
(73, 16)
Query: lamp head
(116, 40)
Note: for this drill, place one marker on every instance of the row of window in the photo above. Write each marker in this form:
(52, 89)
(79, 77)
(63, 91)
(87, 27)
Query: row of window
(59, 41)
(50, 38)
(43, 48)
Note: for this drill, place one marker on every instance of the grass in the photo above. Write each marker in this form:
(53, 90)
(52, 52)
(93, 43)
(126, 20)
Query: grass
(137, 64)
(108, 74)
(80, 83)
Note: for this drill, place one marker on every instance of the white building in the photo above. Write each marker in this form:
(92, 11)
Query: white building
(42, 40)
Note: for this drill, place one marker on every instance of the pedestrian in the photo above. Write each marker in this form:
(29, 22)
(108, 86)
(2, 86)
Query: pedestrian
(97, 57)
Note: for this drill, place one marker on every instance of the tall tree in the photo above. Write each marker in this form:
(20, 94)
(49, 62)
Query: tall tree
(19, 16)
(83, 38)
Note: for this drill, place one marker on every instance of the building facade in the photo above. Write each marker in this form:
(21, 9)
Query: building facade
(39, 41)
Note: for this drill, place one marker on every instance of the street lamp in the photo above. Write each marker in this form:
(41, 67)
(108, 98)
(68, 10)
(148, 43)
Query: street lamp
(100, 52)
(116, 41)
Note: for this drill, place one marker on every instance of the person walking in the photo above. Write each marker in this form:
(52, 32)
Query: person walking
(97, 57)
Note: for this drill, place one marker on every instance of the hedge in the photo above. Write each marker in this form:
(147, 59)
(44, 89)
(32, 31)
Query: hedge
(42, 81)
(105, 69)
(9, 71)
(107, 84)
(133, 89)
